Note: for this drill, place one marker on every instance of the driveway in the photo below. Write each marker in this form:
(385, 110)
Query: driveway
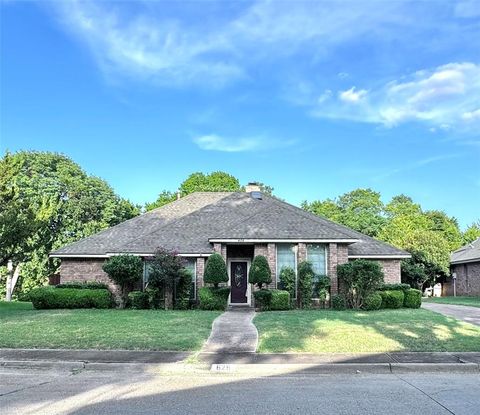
(460, 312)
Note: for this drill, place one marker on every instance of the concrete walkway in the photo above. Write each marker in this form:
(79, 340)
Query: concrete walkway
(233, 332)
(460, 312)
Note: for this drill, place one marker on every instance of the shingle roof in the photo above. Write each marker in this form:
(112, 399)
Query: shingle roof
(467, 253)
(188, 224)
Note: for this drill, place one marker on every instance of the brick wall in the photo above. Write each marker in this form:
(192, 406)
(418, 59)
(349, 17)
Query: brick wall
(221, 249)
(336, 254)
(200, 271)
(85, 269)
(391, 270)
(269, 251)
(468, 280)
(301, 252)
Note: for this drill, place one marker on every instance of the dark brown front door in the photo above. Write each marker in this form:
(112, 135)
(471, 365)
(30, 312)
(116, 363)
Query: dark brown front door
(238, 281)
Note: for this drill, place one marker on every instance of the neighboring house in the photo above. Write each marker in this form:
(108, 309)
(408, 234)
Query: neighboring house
(465, 263)
(238, 225)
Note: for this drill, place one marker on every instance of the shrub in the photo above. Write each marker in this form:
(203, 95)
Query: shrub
(390, 287)
(372, 302)
(287, 281)
(212, 298)
(305, 284)
(359, 279)
(138, 300)
(260, 272)
(280, 300)
(413, 298)
(93, 285)
(321, 287)
(263, 299)
(339, 302)
(392, 298)
(183, 287)
(155, 298)
(50, 297)
(166, 270)
(124, 270)
(215, 270)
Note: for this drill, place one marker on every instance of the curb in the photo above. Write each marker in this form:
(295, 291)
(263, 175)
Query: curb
(258, 369)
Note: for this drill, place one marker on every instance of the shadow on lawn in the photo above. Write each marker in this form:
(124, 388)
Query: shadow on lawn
(410, 330)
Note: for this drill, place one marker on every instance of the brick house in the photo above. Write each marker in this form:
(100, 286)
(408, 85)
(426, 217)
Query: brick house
(465, 264)
(238, 225)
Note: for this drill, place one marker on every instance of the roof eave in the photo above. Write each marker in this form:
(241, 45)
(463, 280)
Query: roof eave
(381, 256)
(282, 240)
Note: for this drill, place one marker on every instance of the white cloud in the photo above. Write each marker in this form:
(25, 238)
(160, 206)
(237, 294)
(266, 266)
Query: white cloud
(147, 40)
(214, 142)
(352, 96)
(445, 97)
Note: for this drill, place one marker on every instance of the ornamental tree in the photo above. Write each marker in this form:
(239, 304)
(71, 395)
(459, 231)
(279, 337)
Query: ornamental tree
(260, 272)
(125, 271)
(215, 270)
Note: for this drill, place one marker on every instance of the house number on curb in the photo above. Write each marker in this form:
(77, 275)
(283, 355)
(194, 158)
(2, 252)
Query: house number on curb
(222, 368)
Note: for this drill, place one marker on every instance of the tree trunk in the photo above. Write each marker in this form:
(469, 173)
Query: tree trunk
(168, 299)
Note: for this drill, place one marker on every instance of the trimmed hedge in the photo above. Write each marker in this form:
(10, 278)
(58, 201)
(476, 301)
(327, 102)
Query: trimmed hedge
(212, 298)
(50, 297)
(392, 298)
(372, 302)
(88, 285)
(263, 299)
(393, 287)
(413, 298)
(138, 300)
(338, 302)
(280, 300)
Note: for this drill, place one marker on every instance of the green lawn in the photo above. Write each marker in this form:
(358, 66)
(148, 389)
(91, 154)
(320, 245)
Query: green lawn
(23, 327)
(328, 331)
(470, 301)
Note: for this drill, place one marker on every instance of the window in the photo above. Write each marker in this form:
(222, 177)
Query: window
(191, 265)
(316, 255)
(286, 257)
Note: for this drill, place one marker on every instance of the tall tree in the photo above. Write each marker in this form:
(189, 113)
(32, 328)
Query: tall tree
(46, 201)
(217, 181)
(471, 233)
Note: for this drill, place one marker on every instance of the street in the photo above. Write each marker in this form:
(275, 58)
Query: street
(140, 391)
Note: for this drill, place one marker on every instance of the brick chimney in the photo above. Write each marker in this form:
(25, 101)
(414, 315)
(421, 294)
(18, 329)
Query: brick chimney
(252, 187)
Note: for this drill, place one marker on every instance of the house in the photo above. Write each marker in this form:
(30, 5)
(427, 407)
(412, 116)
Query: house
(465, 266)
(239, 226)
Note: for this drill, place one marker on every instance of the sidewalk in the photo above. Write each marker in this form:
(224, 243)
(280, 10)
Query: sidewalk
(233, 332)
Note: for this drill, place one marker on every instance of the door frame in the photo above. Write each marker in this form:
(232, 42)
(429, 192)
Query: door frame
(249, 288)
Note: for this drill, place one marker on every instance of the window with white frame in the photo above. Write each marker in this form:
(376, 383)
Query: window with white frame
(286, 257)
(191, 265)
(316, 255)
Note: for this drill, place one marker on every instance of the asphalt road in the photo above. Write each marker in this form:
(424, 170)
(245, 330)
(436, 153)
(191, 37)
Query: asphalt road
(30, 391)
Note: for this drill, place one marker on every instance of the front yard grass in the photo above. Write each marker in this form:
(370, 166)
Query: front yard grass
(329, 331)
(469, 301)
(23, 327)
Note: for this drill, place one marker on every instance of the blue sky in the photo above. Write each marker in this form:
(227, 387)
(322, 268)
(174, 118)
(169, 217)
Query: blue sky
(313, 98)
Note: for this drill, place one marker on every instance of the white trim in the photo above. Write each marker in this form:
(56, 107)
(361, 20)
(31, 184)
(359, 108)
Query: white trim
(379, 256)
(465, 261)
(110, 254)
(234, 240)
(249, 286)
(76, 256)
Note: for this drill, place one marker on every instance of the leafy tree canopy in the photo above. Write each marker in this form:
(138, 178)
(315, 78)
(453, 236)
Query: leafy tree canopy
(217, 181)
(46, 201)
(471, 233)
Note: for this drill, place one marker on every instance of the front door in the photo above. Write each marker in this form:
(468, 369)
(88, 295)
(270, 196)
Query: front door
(238, 282)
